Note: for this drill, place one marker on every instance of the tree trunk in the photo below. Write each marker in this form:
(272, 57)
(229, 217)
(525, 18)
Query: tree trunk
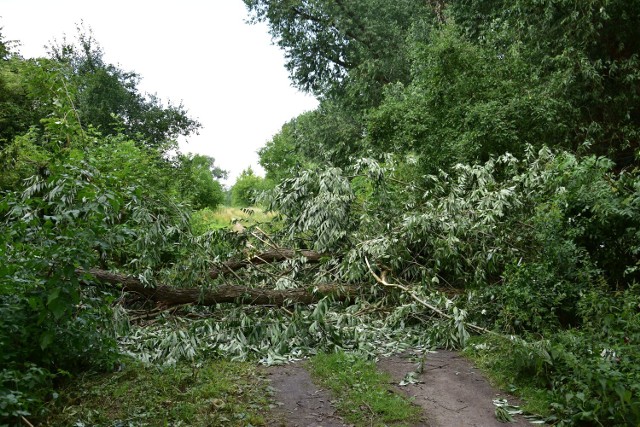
(226, 293)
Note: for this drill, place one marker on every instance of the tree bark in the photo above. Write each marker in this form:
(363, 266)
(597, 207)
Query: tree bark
(275, 255)
(225, 294)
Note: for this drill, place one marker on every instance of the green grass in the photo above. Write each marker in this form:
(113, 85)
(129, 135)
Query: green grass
(215, 393)
(226, 216)
(363, 393)
(494, 357)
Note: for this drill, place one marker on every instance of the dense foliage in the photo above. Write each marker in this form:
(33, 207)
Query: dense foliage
(247, 188)
(86, 181)
(472, 167)
(497, 160)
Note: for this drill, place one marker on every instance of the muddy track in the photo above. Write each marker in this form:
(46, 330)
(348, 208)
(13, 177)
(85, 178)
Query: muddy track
(451, 393)
(298, 401)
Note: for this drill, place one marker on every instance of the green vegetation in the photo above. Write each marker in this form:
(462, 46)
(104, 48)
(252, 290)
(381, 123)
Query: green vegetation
(247, 189)
(472, 168)
(225, 217)
(363, 393)
(493, 156)
(209, 393)
(80, 189)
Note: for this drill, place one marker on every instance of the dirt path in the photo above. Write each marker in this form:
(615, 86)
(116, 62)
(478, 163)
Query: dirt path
(453, 393)
(299, 402)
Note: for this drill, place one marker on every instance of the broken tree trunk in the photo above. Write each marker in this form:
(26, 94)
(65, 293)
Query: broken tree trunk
(275, 255)
(226, 293)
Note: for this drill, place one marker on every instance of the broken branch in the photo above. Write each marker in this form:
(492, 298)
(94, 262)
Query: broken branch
(272, 256)
(382, 280)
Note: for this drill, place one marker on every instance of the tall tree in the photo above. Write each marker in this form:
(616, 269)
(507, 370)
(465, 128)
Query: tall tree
(198, 181)
(342, 47)
(108, 97)
(16, 110)
(589, 53)
(247, 188)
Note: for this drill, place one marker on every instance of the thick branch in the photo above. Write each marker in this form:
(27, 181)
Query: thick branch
(382, 280)
(268, 257)
(225, 294)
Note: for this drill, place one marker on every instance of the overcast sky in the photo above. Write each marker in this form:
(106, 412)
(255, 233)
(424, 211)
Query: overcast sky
(203, 53)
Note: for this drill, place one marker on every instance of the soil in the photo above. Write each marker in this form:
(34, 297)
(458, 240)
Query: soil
(299, 402)
(451, 392)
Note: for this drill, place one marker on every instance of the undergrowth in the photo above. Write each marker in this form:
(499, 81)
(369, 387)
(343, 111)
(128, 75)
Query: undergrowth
(212, 392)
(225, 217)
(362, 392)
(575, 375)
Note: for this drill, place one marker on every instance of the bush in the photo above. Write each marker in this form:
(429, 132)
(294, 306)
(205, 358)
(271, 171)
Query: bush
(247, 188)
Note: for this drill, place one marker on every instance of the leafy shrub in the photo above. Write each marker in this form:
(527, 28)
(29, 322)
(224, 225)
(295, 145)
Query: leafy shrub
(247, 188)
(533, 298)
(49, 324)
(72, 219)
(597, 369)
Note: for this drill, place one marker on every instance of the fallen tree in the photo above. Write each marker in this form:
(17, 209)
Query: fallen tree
(275, 255)
(170, 295)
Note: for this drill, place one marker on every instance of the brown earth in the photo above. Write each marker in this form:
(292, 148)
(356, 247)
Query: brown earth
(452, 393)
(299, 402)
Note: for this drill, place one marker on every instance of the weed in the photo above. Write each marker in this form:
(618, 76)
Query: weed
(488, 354)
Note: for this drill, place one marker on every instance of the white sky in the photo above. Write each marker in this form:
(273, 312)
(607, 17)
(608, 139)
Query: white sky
(203, 53)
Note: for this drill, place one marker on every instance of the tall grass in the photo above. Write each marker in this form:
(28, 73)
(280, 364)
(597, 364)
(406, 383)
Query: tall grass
(227, 217)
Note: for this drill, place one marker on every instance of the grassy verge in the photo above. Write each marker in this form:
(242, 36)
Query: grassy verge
(362, 392)
(226, 216)
(214, 393)
(494, 357)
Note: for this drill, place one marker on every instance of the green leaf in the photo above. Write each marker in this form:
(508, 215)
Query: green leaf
(46, 339)
(53, 295)
(57, 306)
(503, 415)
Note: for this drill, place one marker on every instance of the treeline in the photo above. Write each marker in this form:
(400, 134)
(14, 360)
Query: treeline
(90, 176)
(456, 81)
(482, 147)
(73, 105)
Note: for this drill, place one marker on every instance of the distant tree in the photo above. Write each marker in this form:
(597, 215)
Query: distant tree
(280, 156)
(198, 181)
(247, 187)
(4, 49)
(331, 134)
(17, 111)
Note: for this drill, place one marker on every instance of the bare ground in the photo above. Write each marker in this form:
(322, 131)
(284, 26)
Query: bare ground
(299, 402)
(452, 393)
